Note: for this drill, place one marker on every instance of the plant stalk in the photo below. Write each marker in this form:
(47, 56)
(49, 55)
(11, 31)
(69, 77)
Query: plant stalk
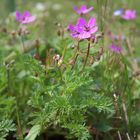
(76, 55)
(88, 50)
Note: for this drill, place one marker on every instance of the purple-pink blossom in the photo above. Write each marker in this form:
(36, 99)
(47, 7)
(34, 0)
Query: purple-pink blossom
(129, 14)
(83, 10)
(83, 29)
(114, 37)
(115, 48)
(24, 18)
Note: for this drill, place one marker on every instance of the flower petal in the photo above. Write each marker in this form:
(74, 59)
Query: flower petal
(84, 35)
(83, 7)
(26, 14)
(29, 20)
(81, 22)
(71, 28)
(92, 22)
(18, 15)
(94, 29)
(87, 10)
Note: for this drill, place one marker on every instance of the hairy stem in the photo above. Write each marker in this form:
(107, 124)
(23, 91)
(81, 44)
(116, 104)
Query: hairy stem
(88, 50)
(22, 41)
(19, 124)
(76, 55)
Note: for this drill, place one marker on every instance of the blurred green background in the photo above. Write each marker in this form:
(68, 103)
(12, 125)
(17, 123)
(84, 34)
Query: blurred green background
(50, 12)
(58, 10)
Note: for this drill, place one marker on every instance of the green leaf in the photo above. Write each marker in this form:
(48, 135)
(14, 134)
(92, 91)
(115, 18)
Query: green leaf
(103, 127)
(33, 133)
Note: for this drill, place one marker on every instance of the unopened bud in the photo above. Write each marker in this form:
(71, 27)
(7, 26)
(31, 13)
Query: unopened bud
(56, 57)
(60, 62)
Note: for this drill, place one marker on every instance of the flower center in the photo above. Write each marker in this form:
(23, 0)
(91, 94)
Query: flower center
(86, 28)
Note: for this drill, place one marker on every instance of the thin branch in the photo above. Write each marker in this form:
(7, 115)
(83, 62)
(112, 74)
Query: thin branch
(119, 135)
(132, 52)
(128, 137)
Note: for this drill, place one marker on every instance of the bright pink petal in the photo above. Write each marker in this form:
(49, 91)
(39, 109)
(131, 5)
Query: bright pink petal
(116, 49)
(71, 27)
(83, 7)
(29, 20)
(92, 22)
(87, 10)
(125, 17)
(129, 14)
(81, 22)
(84, 35)
(94, 30)
(18, 15)
(26, 14)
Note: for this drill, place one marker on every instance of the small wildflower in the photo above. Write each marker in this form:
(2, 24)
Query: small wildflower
(118, 12)
(117, 37)
(24, 18)
(115, 48)
(83, 10)
(129, 15)
(83, 30)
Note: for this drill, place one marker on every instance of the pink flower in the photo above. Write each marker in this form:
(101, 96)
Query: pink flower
(129, 15)
(83, 10)
(114, 37)
(83, 30)
(24, 18)
(115, 48)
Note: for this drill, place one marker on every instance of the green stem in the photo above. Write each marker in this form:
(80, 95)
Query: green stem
(88, 50)
(76, 55)
(22, 41)
(8, 78)
(18, 123)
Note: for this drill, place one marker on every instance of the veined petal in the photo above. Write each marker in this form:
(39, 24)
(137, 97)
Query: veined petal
(81, 22)
(26, 14)
(83, 7)
(87, 10)
(79, 29)
(28, 20)
(94, 29)
(71, 27)
(92, 22)
(18, 15)
(84, 35)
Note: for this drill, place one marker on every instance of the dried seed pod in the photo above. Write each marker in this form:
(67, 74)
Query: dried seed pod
(71, 62)
(4, 30)
(56, 57)
(59, 33)
(36, 56)
(13, 33)
(97, 36)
